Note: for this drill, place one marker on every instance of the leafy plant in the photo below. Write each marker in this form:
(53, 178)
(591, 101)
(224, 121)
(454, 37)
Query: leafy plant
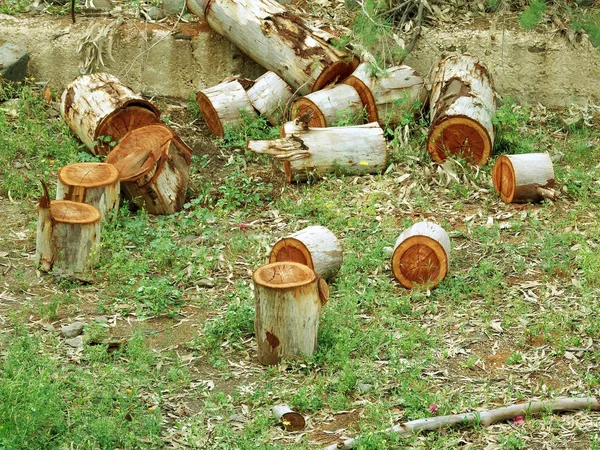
(532, 15)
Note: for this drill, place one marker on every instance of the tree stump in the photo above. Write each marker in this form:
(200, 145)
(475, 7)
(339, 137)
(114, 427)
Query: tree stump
(68, 237)
(463, 104)
(421, 255)
(270, 95)
(100, 110)
(524, 178)
(330, 105)
(278, 40)
(288, 298)
(314, 246)
(154, 167)
(389, 95)
(313, 152)
(96, 184)
(224, 105)
(291, 420)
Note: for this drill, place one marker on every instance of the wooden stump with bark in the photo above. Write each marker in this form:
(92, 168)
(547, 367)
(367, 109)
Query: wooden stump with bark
(462, 106)
(96, 184)
(224, 105)
(315, 246)
(154, 167)
(330, 105)
(271, 96)
(313, 152)
(100, 110)
(524, 178)
(68, 237)
(421, 255)
(288, 298)
(290, 419)
(389, 95)
(278, 40)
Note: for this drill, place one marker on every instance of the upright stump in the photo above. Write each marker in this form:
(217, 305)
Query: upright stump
(524, 178)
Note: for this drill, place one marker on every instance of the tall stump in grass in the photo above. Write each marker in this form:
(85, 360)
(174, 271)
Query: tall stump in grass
(96, 184)
(463, 104)
(68, 237)
(524, 178)
(154, 168)
(271, 96)
(421, 255)
(288, 298)
(315, 246)
(100, 110)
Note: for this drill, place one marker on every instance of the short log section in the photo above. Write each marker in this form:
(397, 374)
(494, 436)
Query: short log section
(291, 420)
(524, 178)
(331, 105)
(100, 110)
(421, 255)
(307, 152)
(154, 168)
(288, 298)
(224, 105)
(463, 104)
(315, 246)
(271, 96)
(96, 184)
(278, 40)
(68, 237)
(389, 95)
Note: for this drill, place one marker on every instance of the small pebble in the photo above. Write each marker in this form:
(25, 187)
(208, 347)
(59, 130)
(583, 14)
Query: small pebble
(76, 342)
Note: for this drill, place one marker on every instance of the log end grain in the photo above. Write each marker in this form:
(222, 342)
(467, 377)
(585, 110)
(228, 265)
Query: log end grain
(211, 117)
(283, 275)
(419, 260)
(503, 177)
(459, 136)
(291, 250)
(66, 211)
(88, 174)
(302, 106)
(366, 96)
(524, 178)
(335, 72)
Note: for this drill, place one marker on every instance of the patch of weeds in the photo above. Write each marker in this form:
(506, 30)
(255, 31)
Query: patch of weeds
(532, 15)
(511, 441)
(193, 107)
(14, 6)
(346, 117)
(590, 23)
(252, 128)
(509, 121)
(242, 191)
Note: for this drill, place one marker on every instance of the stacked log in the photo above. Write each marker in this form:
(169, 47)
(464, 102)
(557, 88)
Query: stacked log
(271, 95)
(463, 104)
(524, 178)
(100, 111)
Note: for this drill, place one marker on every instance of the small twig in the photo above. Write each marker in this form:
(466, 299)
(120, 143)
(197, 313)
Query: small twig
(416, 32)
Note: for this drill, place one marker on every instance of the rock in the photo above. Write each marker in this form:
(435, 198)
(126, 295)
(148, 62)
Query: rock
(387, 251)
(104, 5)
(205, 283)
(76, 342)
(48, 327)
(156, 13)
(237, 418)
(172, 7)
(72, 330)
(101, 319)
(364, 387)
(13, 61)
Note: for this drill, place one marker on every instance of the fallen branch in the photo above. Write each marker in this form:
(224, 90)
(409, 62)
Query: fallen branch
(484, 418)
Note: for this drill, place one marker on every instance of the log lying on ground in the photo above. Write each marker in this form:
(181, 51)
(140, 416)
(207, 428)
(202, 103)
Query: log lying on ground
(313, 152)
(484, 418)
(288, 298)
(314, 246)
(389, 95)
(421, 255)
(224, 105)
(271, 96)
(99, 109)
(291, 420)
(154, 167)
(68, 237)
(277, 40)
(524, 178)
(96, 184)
(463, 104)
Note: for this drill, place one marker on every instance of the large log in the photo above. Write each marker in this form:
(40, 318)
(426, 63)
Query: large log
(154, 167)
(463, 104)
(271, 96)
(278, 40)
(288, 298)
(421, 255)
(96, 184)
(100, 110)
(315, 246)
(388, 96)
(68, 237)
(313, 152)
(524, 178)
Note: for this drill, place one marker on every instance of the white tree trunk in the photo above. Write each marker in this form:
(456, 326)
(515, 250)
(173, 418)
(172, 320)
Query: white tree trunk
(524, 178)
(335, 103)
(271, 96)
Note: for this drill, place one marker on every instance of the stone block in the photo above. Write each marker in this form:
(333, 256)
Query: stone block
(13, 61)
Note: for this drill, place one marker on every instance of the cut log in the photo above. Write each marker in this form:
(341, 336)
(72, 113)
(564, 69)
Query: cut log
(524, 178)
(96, 184)
(389, 95)
(278, 40)
(288, 298)
(271, 96)
(291, 420)
(99, 109)
(330, 105)
(463, 104)
(154, 167)
(68, 237)
(421, 255)
(314, 246)
(313, 152)
(224, 105)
